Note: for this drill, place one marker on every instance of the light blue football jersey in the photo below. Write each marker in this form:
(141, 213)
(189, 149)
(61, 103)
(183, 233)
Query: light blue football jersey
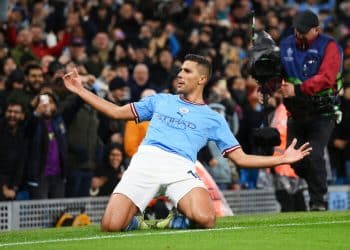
(182, 127)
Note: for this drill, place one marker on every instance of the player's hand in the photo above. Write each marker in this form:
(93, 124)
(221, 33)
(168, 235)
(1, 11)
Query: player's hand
(292, 154)
(73, 81)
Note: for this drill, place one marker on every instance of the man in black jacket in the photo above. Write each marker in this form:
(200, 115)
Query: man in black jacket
(12, 150)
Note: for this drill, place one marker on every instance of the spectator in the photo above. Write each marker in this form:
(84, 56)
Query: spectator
(15, 81)
(109, 129)
(4, 54)
(84, 146)
(129, 20)
(22, 53)
(123, 72)
(34, 81)
(107, 176)
(12, 150)
(101, 16)
(101, 45)
(139, 82)
(46, 165)
(8, 66)
(163, 71)
(309, 90)
(77, 51)
(39, 45)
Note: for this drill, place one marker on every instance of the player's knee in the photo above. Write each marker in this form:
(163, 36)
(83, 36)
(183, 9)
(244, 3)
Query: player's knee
(108, 225)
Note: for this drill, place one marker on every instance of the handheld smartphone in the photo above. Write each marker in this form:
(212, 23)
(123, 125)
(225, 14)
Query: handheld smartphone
(44, 99)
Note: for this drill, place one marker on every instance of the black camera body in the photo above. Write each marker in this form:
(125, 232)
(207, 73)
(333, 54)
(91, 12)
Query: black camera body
(266, 68)
(265, 139)
(265, 64)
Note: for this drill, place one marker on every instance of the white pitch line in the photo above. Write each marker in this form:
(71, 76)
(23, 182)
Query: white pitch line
(124, 235)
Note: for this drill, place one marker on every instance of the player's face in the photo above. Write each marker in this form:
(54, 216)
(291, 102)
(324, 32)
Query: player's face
(188, 78)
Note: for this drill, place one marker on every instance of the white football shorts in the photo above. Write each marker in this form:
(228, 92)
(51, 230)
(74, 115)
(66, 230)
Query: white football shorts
(152, 167)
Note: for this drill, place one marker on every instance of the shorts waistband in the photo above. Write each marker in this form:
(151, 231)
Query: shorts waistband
(155, 149)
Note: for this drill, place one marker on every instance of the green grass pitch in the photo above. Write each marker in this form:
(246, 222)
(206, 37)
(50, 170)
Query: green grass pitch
(302, 231)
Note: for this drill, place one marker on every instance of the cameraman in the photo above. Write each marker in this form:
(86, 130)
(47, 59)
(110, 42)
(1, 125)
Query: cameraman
(312, 64)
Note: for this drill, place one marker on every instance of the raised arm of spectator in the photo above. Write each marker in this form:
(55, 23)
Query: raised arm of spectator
(73, 83)
(63, 42)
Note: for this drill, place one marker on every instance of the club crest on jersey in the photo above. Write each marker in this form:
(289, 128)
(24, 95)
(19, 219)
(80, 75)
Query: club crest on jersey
(183, 111)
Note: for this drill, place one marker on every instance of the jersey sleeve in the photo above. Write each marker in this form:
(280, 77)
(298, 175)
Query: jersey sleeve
(224, 138)
(144, 109)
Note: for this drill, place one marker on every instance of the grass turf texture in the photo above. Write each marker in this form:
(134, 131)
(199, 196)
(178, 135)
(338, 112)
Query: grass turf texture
(312, 230)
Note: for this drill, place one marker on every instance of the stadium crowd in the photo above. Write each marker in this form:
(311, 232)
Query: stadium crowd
(52, 145)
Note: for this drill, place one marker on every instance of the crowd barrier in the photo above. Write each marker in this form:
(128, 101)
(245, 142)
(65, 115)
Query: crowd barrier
(28, 214)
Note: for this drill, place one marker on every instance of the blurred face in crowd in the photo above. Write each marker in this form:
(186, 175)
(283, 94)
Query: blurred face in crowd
(141, 74)
(72, 19)
(120, 93)
(126, 11)
(24, 38)
(205, 36)
(139, 54)
(108, 74)
(238, 89)
(123, 72)
(166, 59)
(45, 62)
(119, 52)
(232, 69)
(101, 41)
(145, 32)
(17, 85)
(77, 52)
(115, 158)
(14, 114)
(102, 13)
(37, 34)
(237, 41)
(35, 79)
(239, 84)
(9, 66)
(38, 10)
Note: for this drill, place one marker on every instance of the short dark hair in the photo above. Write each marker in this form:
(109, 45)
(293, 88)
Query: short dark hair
(31, 66)
(201, 60)
(12, 101)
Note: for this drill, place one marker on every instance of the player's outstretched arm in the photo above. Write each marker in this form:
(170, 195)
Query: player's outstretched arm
(291, 154)
(73, 83)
